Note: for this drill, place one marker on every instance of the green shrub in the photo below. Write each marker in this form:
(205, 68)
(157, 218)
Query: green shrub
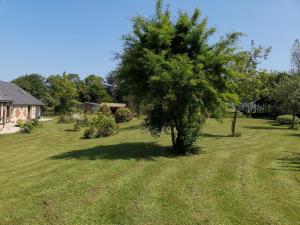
(26, 127)
(106, 126)
(89, 133)
(287, 119)
(86, 120)
(77, 127)
(20, 122)
(104, 109)
(100, 126)
(123, 115)
(35, 122)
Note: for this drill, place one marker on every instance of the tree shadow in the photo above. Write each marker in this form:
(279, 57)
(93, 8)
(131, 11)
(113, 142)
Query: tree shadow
(133, 127)
(214, 135)
(125, 151)
(274, 123)
(265, 128)
(290, 162)
(294, 135)
(70, 130)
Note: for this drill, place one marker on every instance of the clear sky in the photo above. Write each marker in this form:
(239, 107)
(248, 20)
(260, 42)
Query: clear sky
(81, 36)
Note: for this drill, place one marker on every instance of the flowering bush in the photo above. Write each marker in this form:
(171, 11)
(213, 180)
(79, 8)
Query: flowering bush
(78, 117)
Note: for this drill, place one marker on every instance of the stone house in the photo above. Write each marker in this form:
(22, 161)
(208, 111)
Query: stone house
(17, 104)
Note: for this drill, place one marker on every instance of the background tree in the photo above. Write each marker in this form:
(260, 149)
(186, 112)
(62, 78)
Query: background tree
(247, 86)
(120, 92)
(181, 77)
(92, 89)
(115, 88)
(35, 84)
(63, 91)
(296, 56)
(287, 93)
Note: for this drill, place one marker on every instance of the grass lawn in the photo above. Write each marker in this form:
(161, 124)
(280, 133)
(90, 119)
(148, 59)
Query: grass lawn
(54, 177)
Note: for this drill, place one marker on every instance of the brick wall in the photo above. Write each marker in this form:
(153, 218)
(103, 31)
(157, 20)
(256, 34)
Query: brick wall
(23, 113)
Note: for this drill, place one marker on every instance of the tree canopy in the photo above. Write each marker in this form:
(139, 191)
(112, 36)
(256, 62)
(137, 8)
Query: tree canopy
(178, 72)
(63, 91)
(35, 84)
(287, 94)
(246, 83)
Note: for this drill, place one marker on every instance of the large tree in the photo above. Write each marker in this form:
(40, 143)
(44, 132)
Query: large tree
(246, 83)
(63, 91)
(287, 93)
(92, 89)
(115, 88)
(34, 84)
(178, 73)
(296, 56)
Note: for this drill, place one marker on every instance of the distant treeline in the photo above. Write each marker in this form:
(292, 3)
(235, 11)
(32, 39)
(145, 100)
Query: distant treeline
(63, 92)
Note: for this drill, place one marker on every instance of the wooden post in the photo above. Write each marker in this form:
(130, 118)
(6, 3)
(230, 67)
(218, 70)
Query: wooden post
(4, 116)
(1, 114)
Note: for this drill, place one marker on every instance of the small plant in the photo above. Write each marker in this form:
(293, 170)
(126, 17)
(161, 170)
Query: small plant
(123, 115)
(287, 119)
(27, 127)
(86, 120)
(77, 127)
(20, 122)
(89, 133)
(35, 122)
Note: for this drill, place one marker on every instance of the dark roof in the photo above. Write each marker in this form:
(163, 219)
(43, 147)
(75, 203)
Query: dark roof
(15, 94)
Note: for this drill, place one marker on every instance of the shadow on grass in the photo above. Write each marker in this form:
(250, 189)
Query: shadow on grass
(70, 130)
(214, 135)
(289, 163)
(294, 135)
(265, 127)
(126, 151)
(133, 127)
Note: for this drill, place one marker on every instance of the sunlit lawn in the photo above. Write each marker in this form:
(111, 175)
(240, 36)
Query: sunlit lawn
(54, 177)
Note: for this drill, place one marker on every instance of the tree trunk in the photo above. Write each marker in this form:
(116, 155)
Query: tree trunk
(293, 121)
(177, 141)
(173, 135)
(233, 124)
(179, 146)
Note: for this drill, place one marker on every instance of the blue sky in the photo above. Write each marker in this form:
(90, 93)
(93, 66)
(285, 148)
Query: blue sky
(81, 36)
